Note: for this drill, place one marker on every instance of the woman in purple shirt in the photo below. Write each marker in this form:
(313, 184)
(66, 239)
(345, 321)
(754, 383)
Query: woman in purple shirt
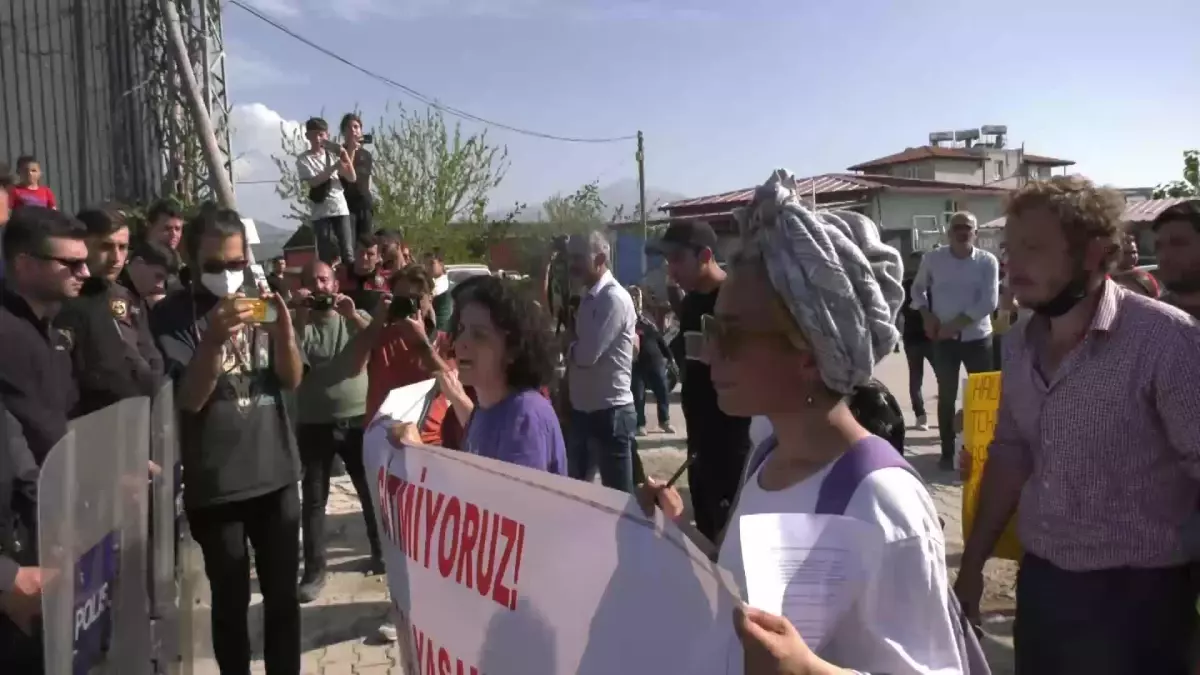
(504, 354)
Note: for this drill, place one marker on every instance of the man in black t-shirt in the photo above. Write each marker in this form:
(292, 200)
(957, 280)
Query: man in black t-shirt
(240, 464)
(718, 441)
(917, 347)
(358, 193)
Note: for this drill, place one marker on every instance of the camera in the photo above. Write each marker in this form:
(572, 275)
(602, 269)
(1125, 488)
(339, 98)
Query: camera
(403, 307)
(317, 302)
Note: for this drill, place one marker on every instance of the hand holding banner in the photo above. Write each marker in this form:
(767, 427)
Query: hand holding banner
(496, 568)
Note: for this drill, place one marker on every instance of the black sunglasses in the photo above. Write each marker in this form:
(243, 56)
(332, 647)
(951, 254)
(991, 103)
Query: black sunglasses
(219, 266)
(75, 265)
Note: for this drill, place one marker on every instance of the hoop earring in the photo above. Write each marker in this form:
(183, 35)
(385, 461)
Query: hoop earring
(808, 401)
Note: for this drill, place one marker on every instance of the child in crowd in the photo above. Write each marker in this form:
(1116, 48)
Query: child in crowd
(29, 190)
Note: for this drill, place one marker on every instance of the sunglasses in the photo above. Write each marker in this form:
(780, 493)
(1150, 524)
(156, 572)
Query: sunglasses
(75, 265)
(728, 338)
(219, 266)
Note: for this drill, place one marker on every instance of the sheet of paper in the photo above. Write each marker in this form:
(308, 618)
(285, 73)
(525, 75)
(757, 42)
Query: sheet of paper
(406, 404)
(808, 568)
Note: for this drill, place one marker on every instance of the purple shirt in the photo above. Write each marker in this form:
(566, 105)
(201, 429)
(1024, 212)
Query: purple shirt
(1110, 441)
(522, 429)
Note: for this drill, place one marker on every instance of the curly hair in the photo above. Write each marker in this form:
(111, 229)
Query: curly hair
(1084, 210)
(526, 342)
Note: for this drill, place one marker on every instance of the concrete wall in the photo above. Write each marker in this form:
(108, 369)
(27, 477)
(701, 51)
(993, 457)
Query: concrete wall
(70, 96)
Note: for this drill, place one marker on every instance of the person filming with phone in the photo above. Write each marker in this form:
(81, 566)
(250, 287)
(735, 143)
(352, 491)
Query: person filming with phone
(331, 404)
(358, 189)
(232, 357)
(321, 169)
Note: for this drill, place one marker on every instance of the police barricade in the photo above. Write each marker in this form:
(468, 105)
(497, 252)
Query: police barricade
(92, 524)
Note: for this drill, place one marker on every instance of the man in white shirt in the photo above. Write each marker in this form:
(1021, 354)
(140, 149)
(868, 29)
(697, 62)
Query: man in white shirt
(600, 369)
(956, 290)
(321, 170)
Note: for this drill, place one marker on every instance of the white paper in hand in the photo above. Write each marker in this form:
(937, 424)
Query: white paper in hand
(407, 404)
(808, 568)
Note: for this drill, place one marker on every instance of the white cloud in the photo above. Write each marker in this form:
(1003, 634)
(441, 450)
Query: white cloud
(256, 136)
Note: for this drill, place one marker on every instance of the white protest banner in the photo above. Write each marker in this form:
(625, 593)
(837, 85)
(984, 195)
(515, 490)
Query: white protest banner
(497, 569)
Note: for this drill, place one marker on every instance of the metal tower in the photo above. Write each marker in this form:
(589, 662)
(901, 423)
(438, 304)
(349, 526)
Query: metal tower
(186, 172)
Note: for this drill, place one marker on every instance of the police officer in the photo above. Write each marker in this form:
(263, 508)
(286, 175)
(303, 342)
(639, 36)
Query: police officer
(113, 351)
(45, 260)
(20, 576)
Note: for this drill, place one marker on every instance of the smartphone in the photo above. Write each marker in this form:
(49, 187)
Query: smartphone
(402, 308)
(368, 139)
(263, 310)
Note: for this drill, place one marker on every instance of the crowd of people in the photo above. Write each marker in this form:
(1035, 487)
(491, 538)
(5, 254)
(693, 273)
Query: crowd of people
(275, 382)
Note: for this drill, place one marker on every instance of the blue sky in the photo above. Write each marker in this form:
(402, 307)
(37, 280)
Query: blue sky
(727, 91)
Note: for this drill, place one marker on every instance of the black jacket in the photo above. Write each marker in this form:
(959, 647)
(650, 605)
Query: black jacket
(36, 383)
(113, 354)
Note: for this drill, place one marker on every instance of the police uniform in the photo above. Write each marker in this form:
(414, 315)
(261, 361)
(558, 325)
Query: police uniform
(35, 373)
(113, 353)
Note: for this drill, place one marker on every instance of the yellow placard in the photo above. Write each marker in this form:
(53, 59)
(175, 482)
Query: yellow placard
(981, 402)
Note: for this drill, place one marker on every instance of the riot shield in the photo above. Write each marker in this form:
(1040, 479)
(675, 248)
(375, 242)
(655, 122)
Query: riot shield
(163, 533)
(92, 520)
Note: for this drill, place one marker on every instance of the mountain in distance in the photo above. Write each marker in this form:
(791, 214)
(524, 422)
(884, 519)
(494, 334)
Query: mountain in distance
(271, 239)
(622, 193)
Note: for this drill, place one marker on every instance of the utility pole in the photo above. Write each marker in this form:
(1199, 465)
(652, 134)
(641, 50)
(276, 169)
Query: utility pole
(197, 106)
(641, 164)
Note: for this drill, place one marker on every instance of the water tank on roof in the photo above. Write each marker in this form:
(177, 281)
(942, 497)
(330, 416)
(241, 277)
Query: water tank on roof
(966, 135)
(940, 136)
(993, 130)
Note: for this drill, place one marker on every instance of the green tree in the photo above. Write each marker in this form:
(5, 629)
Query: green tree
(430, 181)
(1189, 186)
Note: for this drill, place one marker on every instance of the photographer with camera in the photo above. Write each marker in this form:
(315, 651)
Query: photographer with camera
(358, 189)
(331, 405)
(321, 170)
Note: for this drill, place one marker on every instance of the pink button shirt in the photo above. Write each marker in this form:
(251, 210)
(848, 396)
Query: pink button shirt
(1111, 441)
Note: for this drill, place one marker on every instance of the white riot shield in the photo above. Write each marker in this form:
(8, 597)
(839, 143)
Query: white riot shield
(92, 520)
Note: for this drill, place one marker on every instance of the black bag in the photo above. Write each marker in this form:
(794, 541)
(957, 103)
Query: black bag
(318, 194)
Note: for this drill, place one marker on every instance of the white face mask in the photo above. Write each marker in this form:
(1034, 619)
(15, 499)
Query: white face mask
(223, 284)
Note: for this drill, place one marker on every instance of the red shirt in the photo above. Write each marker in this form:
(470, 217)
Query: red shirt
(394, 365)
(23, 195)
(350, 281)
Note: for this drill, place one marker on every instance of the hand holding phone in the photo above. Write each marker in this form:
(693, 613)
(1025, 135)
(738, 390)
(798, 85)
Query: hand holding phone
(260, 310)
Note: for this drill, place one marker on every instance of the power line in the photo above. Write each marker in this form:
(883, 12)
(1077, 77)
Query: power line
(413, 92)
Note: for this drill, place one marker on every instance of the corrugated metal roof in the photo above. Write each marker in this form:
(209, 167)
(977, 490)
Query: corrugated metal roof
(832, 183)
(933, 151)
(1136, 212)
(1147, 210)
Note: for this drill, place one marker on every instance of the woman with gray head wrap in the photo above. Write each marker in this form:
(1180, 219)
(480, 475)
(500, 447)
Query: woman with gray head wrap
(807, 310)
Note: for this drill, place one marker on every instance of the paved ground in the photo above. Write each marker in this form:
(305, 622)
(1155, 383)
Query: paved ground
(339, 627)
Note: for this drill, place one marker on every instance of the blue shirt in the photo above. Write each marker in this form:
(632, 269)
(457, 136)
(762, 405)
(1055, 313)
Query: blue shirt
(959, 286)
(522, 429)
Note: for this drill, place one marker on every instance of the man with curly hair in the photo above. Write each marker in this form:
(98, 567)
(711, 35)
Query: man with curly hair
(1096, 449)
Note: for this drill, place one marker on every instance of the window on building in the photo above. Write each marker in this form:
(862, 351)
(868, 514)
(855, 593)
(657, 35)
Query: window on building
(906, 171)
(998, 170)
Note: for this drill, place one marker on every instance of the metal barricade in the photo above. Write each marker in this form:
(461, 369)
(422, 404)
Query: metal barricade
(92, 527)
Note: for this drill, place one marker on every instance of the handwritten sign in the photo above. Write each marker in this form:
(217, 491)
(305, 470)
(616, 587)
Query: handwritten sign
(495, 568)
(981, 402)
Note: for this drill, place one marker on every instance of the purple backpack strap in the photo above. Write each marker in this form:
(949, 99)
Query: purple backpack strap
(861, 460)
